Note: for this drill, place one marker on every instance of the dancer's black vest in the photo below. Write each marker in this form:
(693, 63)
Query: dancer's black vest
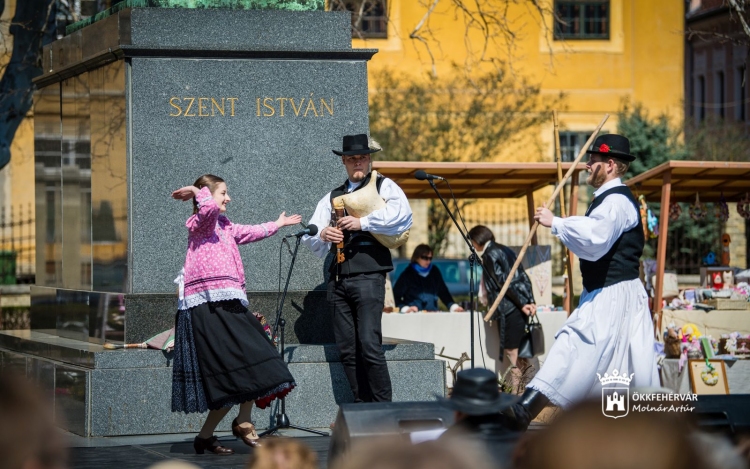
(363, 253)
(622, 262)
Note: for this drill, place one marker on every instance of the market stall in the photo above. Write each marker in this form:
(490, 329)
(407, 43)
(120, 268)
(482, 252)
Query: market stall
(706, 330)
(487, 181)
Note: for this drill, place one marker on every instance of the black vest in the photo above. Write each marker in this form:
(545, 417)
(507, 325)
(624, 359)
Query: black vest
(622, 262)
(362, 252)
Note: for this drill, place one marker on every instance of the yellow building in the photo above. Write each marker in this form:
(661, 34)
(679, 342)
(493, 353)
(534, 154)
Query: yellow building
(606, 52)
(610, 50)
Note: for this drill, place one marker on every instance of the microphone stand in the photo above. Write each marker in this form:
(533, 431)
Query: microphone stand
(282, 421)
(473, 257)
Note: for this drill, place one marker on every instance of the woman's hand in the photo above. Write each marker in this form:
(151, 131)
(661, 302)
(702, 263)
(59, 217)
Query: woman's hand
(529, 309)
(458, 309)
(284, 220)
(185, 193)
(412, 309)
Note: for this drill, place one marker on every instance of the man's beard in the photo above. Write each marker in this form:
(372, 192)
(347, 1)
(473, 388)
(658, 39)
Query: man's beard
(596, 179)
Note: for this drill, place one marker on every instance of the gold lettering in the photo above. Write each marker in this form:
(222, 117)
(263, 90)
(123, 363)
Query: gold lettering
(295, 108)
(231, 103)
(323, 104)
(281, 100)
(188, 108)
(310, 104)
(202, 107)
(257, 104)
(179, 109)
(265, 105)
(215, 105)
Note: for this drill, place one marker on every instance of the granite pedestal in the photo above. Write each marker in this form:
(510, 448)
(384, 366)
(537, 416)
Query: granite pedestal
(100, 392)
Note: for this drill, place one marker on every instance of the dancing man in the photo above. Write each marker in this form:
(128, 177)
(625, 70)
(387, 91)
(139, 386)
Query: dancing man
(611, 329)
(356, 287)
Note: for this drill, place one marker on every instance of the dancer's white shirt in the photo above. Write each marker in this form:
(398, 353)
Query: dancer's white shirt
(393, 219)
(593, 236)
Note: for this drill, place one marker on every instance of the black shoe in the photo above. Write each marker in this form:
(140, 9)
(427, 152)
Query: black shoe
(521, 414)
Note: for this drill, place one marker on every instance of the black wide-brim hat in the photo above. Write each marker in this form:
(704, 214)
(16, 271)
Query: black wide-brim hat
(613, 146)
(476, 393)
(356, 145)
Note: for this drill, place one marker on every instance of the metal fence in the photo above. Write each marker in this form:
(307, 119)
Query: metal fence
(17, 244)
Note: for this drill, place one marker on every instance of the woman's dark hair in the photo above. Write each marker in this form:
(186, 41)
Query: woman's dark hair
(207, 180)
(420, 251)
(480, 234)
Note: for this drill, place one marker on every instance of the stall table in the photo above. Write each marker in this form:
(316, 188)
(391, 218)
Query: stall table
(451, 332)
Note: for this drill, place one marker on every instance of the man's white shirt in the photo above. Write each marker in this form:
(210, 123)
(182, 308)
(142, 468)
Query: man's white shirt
(394, 218)
(591, 237)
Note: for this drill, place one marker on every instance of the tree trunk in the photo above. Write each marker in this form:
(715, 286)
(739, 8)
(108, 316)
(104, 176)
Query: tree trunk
(32, 26)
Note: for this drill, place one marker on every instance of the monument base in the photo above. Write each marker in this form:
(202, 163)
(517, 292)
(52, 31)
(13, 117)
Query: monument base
(98, 392)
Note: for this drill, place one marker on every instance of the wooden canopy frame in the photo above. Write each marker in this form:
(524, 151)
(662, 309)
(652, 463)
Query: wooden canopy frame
(680, 181)
(486, 181)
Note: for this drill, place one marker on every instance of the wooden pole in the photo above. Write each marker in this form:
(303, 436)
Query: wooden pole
(661, 247)
(572, 211)
(568, 274)
(531, 209)
(549, 202)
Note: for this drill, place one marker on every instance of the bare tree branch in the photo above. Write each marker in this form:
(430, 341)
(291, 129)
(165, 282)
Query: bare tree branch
(739, 7)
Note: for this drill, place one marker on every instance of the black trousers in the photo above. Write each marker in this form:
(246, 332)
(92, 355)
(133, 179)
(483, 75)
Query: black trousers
(357, 303)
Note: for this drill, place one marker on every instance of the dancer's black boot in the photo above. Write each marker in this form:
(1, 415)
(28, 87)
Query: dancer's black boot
(524, 411)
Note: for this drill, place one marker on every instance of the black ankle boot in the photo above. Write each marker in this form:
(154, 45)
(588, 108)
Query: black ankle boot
(524, 411)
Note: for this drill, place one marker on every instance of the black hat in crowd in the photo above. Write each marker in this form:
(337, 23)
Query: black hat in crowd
(613, 146)
(356, 145)
(476, 393)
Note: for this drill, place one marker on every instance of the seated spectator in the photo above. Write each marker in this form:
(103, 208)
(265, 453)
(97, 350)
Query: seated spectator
(421, 284)
(28, 436)
(477, 403)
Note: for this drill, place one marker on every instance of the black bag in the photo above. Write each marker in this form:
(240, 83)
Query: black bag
(532, 343)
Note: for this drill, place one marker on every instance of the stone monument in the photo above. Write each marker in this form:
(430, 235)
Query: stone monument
(141, 102)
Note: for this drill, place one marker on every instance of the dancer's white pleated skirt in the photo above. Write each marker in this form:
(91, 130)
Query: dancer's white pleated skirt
(610, 330)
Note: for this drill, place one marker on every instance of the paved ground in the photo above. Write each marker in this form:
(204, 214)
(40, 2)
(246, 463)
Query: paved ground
(139, 452)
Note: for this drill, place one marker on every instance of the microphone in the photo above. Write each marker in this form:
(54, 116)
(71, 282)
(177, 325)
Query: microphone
(421, 175)
(311, 230)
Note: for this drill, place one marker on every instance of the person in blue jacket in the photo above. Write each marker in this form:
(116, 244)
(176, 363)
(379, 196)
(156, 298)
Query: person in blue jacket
(421, 284)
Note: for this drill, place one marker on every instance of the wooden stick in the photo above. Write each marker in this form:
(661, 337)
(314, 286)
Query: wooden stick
(536, 224)
(568, 301)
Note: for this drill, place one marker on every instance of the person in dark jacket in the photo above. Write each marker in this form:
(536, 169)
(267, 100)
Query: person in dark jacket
(421, 284)
(478, 404)
(518, 303)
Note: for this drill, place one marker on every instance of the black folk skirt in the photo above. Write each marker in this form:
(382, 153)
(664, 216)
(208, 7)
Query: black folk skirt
(223, 357)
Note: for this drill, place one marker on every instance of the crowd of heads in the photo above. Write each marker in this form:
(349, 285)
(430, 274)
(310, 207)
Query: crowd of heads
(580, 438)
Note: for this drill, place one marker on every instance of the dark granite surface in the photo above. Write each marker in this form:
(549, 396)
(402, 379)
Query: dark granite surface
(240, 29)
(272, 163)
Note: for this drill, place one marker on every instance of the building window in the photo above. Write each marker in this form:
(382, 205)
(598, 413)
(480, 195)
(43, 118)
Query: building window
(571, 143)
(369, 17)
(582, 19)
(720, 93)
(740, 95)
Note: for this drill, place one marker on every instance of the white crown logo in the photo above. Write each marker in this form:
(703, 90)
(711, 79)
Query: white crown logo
(615, 378)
